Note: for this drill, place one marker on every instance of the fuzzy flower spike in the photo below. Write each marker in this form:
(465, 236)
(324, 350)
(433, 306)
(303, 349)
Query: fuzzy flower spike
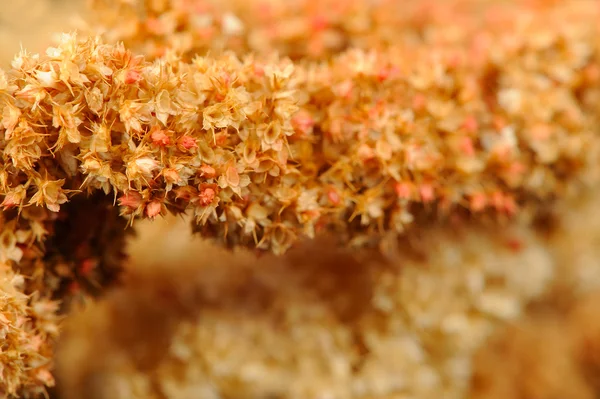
(442, 120)
(262, 151)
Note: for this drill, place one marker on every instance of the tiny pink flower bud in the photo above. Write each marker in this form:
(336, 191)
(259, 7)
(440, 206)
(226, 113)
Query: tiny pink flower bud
(386, 72)
(155, 26)
(403, 190)
(333, 196)
(132, 76)
(477, 202)
(470, 124)
(153, 209)
(303, 123)
(160, 138)
(187, 142)
(10, 201)
(132, 200)
(318, 23)
(206, 195)
(427, 193)
(419, 102)
(259, 71)
(497, 200)
(226, 78)
(516, 169)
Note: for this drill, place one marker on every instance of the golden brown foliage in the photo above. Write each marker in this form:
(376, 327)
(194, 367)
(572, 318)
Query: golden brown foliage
(381, 123)
(28, 328)
(265, 152)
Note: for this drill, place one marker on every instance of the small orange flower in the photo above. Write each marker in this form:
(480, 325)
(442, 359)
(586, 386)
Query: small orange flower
(206, 194)
(160, 138)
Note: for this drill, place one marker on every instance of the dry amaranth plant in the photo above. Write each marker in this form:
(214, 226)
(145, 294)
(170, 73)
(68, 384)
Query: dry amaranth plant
(263, 151)
(353, 324)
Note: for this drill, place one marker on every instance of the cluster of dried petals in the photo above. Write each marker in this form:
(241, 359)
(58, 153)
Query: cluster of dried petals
(303, 29)
(28, 327)
(51, 248)
(314, 29)
(263, 151)
(50, 261)
(193, 134)
(441, 116)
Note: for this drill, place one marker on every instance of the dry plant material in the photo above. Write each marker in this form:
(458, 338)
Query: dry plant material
(416, 327)
(262, 151)
(64, 255)
(28, 328)
(305, 29)
(441, 119)
(314, 29)
(40, 280)
(316, 322)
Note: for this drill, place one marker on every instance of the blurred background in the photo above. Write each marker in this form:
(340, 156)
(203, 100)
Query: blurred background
(31, 23)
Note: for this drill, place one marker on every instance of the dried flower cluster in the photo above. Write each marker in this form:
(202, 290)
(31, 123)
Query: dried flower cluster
(311, 29)
(40, 278)
(305, 29)
(262, 152)
(27, 329)
(351, 325)
(379, 120)
(315, 323)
